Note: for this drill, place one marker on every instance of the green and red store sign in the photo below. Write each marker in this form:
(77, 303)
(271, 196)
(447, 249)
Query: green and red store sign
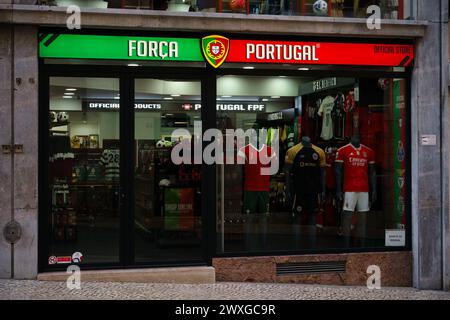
(217, 50)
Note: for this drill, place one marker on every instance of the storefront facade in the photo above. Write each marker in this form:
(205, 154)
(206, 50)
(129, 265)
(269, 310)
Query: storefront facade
(115, 107)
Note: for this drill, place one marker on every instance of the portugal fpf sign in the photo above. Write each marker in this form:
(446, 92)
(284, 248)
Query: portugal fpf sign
(215, 49)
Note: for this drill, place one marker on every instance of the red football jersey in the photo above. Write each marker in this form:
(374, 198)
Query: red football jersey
(356, 167)
(254, 180)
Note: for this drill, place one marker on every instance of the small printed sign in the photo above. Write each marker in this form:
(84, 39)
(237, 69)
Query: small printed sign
(395, 238)
(64, 260)
(429, 140)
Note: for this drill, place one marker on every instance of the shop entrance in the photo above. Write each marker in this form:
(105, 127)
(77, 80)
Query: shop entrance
(113, 194)
(167, 195)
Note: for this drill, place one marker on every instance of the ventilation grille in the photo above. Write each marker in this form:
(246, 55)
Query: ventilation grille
(287, 269)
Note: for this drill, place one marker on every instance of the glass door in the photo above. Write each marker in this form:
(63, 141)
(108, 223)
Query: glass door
(83, 171)
(167, 180)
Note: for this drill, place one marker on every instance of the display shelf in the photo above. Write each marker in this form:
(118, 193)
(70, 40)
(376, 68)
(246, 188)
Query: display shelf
(58, 124)
(87, 150)
(93, 184)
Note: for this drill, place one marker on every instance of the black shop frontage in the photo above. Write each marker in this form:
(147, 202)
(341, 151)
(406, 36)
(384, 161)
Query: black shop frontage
(331, 115)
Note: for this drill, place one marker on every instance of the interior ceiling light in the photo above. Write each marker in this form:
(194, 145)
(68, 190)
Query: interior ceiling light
(67, 97)
(71, 89)
(133, 65)
(248, 68)
(303, 69)
(174, 95)
(69, 93)
(168, 98)
(275, 97)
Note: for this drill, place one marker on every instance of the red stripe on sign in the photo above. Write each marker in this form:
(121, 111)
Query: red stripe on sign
(320, 53)
(64, 259)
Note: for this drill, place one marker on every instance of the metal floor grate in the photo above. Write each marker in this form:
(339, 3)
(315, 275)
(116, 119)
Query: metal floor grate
(286, 269)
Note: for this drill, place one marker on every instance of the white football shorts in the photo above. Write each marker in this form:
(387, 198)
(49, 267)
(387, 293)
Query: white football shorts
(356, 200)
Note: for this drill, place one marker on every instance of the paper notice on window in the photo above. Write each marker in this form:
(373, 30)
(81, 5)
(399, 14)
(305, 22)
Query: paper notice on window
(395, 238)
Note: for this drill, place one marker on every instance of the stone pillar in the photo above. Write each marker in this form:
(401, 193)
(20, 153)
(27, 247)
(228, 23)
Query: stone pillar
(430, 163)
(19, 125)
(5, 139)
(26, 164)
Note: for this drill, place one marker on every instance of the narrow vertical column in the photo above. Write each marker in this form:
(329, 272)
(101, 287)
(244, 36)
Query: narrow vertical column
(429, 167)
(26, 163)
(445, 118)
(5, 139)
(209, 187)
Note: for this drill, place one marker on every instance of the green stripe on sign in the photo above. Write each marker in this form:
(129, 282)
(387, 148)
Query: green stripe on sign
(71, 46)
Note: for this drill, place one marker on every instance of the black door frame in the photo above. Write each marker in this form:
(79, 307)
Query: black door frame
(126, 76)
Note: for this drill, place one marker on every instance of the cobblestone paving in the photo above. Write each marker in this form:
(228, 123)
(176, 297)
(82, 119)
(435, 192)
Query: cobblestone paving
(25, 289)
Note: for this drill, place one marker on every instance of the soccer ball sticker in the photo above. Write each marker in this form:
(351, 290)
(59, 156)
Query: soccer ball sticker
(320, 7)
(77, 257)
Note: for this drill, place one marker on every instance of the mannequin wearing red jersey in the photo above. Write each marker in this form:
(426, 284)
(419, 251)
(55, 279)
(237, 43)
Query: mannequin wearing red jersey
(256, 191)
(357, 187)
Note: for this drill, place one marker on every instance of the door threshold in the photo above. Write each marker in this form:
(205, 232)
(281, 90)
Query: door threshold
(188, 275)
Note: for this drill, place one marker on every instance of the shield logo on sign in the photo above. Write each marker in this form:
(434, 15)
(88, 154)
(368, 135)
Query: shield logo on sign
(215, 49)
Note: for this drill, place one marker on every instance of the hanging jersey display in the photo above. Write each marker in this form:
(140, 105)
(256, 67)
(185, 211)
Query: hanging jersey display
(339, 116)
(325, 110)
(356, 167)
(255, 161)
(272, 135)
(110, 160)
(351, 115)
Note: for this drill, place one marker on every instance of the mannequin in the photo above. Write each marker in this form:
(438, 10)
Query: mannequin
(355, 185)
(305, 142)
(256, 192)
(305, 169)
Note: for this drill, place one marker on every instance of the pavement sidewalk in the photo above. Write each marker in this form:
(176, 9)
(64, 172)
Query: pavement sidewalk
(30, 289)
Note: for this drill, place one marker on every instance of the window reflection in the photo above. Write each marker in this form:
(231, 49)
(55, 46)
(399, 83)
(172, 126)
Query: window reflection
(390, 9)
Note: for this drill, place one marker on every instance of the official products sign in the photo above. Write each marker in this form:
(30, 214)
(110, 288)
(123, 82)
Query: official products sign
(216, 50)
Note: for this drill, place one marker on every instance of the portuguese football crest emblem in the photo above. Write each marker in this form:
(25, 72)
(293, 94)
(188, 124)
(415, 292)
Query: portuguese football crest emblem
(215, 49)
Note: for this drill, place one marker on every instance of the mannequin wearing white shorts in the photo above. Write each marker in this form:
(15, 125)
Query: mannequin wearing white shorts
(355, 201)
